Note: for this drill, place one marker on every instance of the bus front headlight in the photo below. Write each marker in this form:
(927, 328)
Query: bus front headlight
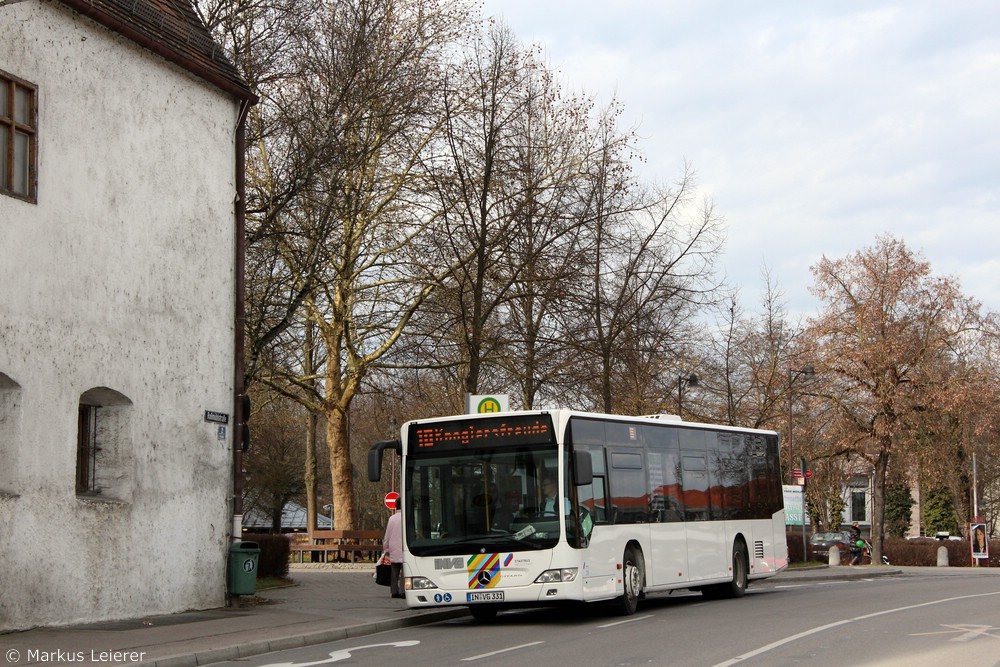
(556, 576)
(418, 584)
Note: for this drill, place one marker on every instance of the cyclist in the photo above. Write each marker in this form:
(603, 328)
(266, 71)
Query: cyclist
(857, 545)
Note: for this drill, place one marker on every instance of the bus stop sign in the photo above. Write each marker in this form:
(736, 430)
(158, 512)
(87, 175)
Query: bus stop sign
(390, 499)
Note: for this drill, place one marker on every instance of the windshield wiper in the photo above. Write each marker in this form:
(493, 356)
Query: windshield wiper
(449, 549)
(494, 539)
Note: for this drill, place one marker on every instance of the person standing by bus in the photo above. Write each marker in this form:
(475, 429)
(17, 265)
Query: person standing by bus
(393, 545)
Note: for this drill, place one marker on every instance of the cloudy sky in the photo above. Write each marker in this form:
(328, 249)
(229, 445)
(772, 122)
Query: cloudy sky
(813, 125)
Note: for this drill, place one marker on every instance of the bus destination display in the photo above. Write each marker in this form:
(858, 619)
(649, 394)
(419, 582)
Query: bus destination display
(483, 432)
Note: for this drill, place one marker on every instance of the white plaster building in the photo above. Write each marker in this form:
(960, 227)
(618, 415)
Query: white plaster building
(120, 290)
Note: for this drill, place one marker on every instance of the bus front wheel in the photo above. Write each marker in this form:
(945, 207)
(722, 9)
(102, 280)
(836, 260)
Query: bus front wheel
(632, 579)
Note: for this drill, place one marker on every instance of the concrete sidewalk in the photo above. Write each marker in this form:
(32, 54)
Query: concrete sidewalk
(323, 605)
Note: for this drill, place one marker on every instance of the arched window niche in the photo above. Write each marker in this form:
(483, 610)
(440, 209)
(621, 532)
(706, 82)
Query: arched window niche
(10, 437)
(104, 457)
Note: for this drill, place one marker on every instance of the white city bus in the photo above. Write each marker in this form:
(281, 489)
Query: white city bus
(645, 504)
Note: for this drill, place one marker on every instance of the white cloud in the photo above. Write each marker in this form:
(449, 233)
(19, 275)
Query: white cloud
(815, 126)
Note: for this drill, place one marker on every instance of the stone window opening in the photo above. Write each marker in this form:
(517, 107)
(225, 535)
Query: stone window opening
(104, 444)
(10, 419)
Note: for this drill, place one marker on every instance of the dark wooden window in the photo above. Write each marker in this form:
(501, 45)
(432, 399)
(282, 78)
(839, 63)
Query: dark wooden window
(86, 449)
(858, 505)
(18, 137)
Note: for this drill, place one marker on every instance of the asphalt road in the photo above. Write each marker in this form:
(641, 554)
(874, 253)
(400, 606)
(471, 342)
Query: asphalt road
(912, 620)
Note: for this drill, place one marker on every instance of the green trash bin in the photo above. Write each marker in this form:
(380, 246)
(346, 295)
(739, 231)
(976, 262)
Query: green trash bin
(243, 559)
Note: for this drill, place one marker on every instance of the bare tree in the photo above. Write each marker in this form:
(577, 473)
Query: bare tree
(338, 207)
(513, 151)
(747, 362)
(650, 266)
(555, 138)
(274, 465)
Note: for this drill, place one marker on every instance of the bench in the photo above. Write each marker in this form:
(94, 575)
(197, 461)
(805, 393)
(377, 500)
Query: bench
(339, 546)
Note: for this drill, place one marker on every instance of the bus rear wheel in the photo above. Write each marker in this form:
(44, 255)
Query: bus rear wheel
(632, 579)
(736, 588)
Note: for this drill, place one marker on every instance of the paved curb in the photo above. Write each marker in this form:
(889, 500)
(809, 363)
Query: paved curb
(828, 573)
(251, 649)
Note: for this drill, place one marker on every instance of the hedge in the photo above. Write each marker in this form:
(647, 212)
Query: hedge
(274, 552)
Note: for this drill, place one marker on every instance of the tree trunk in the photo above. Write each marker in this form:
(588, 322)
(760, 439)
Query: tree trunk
(277, 506)
(341, 469)
(878, 502)
(309, 367)
(606, 399)
(311, 473)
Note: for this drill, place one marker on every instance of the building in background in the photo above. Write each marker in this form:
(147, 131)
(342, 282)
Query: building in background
(292, 520)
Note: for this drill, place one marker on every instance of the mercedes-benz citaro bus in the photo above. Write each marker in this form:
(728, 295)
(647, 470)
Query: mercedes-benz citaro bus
(529, 508)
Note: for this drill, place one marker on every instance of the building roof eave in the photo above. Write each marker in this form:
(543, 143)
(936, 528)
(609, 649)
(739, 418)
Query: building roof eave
(172, 32)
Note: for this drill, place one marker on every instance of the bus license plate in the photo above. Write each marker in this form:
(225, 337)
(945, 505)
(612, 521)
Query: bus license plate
(488, 596)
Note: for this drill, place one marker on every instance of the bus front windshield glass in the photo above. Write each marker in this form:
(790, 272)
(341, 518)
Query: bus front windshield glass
(498, 499)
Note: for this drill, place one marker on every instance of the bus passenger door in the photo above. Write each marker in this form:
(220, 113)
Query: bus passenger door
(667, 534)
(705, 538)
(630, 510)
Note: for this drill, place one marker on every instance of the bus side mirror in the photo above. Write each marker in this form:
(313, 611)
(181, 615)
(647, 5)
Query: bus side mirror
(583, 468)
(375, 457)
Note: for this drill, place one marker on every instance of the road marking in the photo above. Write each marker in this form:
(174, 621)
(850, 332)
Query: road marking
(503, 650)
(969, 632)
(345, 654)
(828, 626)
(628, 620)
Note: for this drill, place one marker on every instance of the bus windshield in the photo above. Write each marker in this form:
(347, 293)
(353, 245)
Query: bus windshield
(493, 498)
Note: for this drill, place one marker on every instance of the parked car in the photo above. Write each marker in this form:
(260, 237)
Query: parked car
(820, 543)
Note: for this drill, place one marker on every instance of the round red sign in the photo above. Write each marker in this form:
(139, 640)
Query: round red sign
(390, 499)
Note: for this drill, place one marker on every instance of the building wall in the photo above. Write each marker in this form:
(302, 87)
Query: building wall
(120, 278)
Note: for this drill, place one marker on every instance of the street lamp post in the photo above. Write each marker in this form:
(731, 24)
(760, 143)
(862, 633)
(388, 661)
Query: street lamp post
(793, 375)
(682, 382)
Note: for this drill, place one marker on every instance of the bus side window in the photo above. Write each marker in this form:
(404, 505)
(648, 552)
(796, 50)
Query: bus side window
(628, 484)
(696, 497)
(663, 470)
(593, 496)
